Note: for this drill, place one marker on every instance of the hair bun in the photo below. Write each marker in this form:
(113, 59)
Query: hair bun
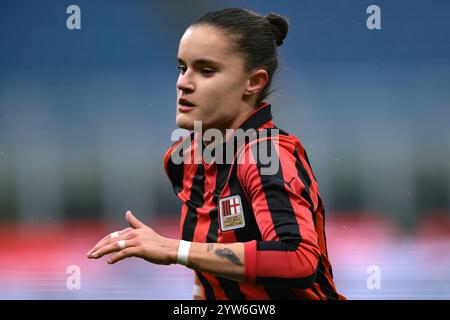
(279, 26)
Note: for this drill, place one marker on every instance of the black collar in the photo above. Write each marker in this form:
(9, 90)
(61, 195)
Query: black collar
(258, 118)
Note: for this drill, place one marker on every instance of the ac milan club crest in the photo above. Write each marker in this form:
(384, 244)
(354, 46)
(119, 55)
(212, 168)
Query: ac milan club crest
(231, 213)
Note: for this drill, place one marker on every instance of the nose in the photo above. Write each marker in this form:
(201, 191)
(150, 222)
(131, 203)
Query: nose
(185, 83)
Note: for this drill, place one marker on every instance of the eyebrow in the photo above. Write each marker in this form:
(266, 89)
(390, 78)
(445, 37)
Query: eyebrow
(202, 62)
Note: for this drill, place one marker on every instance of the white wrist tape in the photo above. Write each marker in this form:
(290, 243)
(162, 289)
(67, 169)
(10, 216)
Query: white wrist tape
(197, 291)
(183, 252)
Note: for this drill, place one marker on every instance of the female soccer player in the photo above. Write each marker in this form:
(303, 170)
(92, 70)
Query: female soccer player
(252, 227)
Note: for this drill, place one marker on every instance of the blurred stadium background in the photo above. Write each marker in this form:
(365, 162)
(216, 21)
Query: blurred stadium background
(86, 116)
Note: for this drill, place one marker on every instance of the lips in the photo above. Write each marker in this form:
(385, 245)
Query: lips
(185, 103)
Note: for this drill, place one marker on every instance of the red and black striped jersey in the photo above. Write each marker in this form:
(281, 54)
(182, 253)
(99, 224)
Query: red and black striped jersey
(279, 216)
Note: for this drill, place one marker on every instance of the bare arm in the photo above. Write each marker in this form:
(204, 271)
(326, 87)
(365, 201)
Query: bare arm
(225, 260)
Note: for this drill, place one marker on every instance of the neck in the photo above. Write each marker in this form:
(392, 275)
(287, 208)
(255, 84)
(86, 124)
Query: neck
(246, 109)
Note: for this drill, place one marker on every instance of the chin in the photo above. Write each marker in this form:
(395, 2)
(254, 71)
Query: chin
(184, 122)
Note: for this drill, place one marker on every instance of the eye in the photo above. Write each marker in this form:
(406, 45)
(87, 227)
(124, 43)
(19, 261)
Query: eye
(207, 71)
(182, 69)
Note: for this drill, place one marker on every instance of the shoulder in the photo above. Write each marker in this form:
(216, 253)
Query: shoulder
(269, 143)
(267, 153)
(271, 161)
(175, 153)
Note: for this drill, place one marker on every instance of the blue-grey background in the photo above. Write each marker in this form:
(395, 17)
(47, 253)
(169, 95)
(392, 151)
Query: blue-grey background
(86, 116)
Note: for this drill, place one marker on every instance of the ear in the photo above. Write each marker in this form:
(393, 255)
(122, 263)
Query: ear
(256, 82)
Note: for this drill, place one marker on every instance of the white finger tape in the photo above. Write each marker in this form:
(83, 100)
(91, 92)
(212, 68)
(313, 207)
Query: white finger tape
(114, 234)
(122, 244)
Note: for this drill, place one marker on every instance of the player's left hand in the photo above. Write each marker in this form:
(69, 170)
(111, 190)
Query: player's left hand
(137, 241)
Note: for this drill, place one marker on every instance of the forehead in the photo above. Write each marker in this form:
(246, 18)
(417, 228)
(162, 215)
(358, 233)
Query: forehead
(206, 42)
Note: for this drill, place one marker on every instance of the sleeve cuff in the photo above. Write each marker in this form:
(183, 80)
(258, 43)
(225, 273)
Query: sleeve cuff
(250, 261)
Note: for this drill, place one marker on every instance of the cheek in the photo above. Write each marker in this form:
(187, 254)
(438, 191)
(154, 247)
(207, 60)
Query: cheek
(221, 97)
(226, 89)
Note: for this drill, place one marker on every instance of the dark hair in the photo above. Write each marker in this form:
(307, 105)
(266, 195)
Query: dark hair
(254, 35)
